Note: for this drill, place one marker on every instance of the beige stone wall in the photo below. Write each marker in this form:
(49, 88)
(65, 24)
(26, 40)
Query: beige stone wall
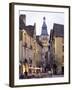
(36, 52)
(20, 51)
(27, 52)
(59, 49)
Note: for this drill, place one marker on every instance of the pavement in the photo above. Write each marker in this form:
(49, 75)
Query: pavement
(42, 75)
(45, 75)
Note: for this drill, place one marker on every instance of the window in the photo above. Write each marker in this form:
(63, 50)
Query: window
(49, 47)
(63, 48)
(54, 50)
(20, 35)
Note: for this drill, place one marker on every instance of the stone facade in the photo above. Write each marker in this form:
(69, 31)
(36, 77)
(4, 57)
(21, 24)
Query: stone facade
(57, 45)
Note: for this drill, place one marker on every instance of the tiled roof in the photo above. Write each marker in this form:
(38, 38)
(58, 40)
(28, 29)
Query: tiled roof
(58, 30)
(30, 30)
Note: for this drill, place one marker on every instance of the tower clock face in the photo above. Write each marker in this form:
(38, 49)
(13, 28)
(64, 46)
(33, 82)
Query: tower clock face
(45, 38)
(45, 41)
(44, 33)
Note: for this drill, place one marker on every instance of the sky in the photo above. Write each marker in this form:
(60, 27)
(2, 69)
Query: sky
(37, 17)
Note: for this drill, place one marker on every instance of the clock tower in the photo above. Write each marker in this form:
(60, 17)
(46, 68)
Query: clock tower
(44, 35)
(44, 40)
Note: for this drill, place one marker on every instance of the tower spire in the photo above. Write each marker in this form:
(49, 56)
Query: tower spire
(44, 18)
(44, 27)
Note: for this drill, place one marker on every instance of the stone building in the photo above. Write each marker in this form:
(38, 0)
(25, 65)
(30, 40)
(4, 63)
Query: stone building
(57, 46)
(29, 46)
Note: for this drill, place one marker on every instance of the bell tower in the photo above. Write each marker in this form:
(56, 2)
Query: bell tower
(44, 40)
(44, 28)
(44, 34)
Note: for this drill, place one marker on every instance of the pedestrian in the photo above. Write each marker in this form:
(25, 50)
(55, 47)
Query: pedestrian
(26, 70)
(23, 66)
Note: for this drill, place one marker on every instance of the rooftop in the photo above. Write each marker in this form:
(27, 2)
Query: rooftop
(22, 21)
(58, 30)
(30, 30)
